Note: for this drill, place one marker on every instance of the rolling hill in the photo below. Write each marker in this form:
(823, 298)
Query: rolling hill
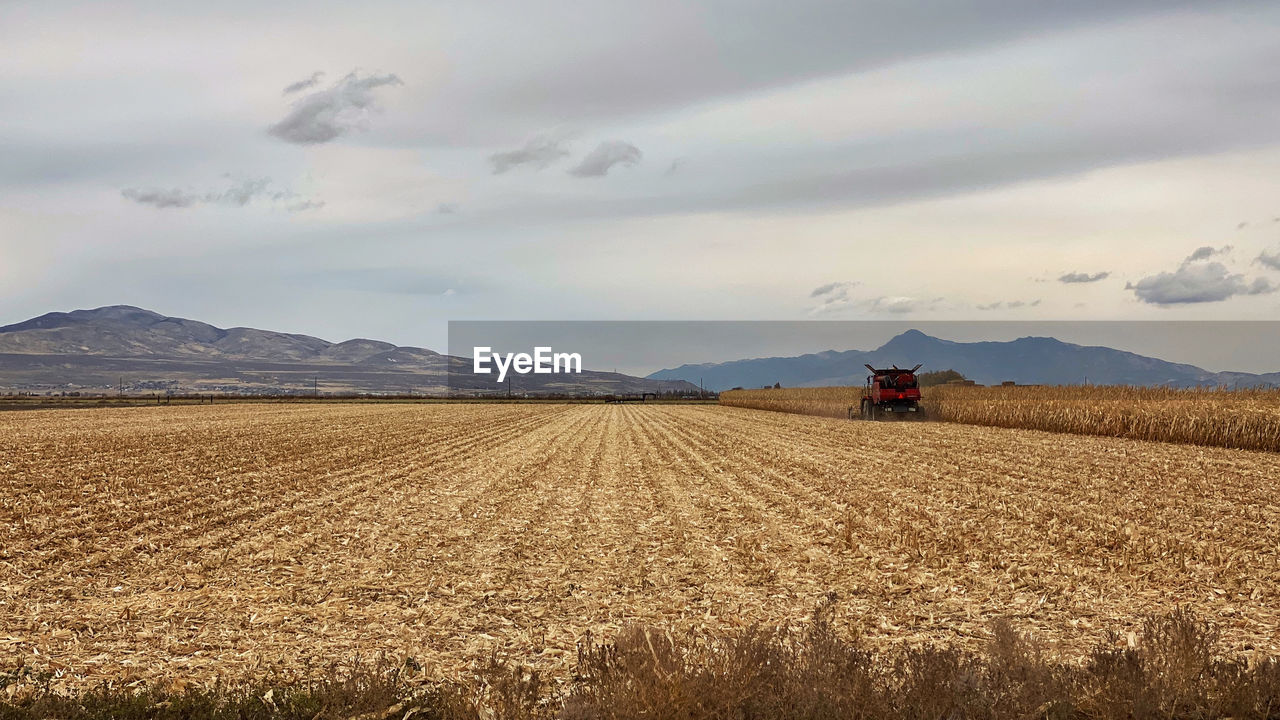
(141, 351)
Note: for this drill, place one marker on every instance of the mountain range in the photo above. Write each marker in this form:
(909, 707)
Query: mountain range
(137, 350)
(142, 351)
(1027, 360)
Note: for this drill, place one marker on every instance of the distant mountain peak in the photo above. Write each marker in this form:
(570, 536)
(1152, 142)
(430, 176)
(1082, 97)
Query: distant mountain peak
(911, 341)
(117, 312)
(120, 308)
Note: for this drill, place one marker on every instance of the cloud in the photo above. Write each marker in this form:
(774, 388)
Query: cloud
(1269, 260)
(830, 288)
(239, 194)
(1206, 252)
(325, 115)
(598, 162)
(1010, 305)
(833, 296)
(303, 205)
(896, 305)
(1198, 280)
(306, 84)
(172, 198)
(539, 153)
(1079, 277)
(447, 208)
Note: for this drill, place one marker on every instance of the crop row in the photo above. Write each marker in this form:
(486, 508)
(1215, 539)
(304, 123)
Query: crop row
(1241, 419)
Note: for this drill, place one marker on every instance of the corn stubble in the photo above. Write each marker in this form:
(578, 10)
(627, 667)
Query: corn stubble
(174, 546)
(1241, 419)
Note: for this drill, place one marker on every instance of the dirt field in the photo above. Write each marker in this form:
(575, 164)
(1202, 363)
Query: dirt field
(194, 542)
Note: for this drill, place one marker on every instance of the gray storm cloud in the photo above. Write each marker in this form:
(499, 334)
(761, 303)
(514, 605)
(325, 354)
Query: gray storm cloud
(1198, 280)
(328, 114)
(238, 194)
(538, 153)
(306, 84)
(607, 154)
(1079, 277)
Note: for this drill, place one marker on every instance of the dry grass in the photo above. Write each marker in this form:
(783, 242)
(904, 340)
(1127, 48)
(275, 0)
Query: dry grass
(1243, 419)
(1171, 670)
(184, 545)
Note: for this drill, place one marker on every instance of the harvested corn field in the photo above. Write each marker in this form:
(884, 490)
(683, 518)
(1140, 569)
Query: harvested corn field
(1244, 419)
(190, 543)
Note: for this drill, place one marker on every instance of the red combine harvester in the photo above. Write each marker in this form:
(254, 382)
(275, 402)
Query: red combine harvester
(890, 392)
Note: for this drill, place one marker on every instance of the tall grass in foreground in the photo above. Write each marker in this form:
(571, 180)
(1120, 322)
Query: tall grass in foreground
(1243, 419)
(1172, 671)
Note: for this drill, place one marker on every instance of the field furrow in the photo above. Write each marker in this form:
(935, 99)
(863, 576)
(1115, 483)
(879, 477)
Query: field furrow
(224, 541)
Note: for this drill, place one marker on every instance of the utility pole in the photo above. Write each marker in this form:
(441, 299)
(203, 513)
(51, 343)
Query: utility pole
(121, 386)
(315, 386)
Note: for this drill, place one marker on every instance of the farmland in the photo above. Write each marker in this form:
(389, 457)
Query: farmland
(228, 541)
(1244, 419)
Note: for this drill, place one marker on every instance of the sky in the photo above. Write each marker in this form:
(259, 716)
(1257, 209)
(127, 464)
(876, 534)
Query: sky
(377, 169)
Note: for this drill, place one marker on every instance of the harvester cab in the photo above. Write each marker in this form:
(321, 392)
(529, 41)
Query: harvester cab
(889, 392)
